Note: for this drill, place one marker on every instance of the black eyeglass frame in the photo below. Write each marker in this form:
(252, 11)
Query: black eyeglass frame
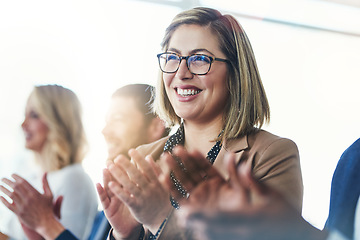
(212, 59)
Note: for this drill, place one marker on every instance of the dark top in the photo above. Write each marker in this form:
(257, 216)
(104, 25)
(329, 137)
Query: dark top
(66, 235)
(99, 231)
(345, 191)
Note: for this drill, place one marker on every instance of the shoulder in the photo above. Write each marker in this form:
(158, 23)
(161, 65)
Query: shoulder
(72, 171)
(272, 148)
(70, 177)
(155, 149)
(352, 152)
(261, 141)
(348, 164)
(265, 140)
(355, 146)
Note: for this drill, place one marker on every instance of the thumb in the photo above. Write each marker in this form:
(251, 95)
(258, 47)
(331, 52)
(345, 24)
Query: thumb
(154, 166)
(57, 206)
(46, 187)
(252, 184)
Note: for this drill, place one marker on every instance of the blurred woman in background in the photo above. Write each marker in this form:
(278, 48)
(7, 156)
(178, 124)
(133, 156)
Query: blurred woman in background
(55, 134)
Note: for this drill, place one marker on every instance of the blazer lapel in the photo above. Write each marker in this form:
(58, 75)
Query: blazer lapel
(236, 146)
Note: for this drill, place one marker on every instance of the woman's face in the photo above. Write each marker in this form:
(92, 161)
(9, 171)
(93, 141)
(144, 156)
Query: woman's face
(34, 128)
(207, 102)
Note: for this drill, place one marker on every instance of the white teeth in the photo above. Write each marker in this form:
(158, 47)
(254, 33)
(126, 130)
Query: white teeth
(187, 92)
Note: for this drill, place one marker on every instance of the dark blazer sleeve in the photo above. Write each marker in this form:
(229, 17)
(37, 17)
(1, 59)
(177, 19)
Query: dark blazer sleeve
(345, 192)
(66, 235)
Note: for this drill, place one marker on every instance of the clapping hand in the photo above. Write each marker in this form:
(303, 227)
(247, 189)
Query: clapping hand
(33, 209)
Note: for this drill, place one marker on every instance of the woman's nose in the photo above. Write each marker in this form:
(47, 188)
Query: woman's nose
(106, 130)
(23, 124)
(183, 71)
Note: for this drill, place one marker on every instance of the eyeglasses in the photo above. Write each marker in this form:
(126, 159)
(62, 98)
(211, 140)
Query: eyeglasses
(198, 64)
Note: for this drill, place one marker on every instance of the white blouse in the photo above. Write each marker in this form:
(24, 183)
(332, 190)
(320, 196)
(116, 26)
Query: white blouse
(78, 209)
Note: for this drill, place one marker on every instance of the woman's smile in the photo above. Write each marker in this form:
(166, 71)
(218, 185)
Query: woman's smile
(187, 92)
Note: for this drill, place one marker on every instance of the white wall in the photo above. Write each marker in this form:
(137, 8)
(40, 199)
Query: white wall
(312, 81)
(311, 77)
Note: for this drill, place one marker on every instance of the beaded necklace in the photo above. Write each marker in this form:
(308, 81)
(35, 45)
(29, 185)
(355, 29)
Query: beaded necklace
(178, 139)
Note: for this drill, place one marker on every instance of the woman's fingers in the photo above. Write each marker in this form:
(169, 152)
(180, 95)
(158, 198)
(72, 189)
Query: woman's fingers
(127, 176)
(57, 206)
(10, 206)
(190, 169)
(156, 168)
(15, 194)
(121, 193)
(142, 166)
(46, 187)
(106, 179)
(235, 178)
(22, 182)
(103, 196)
(189, 172)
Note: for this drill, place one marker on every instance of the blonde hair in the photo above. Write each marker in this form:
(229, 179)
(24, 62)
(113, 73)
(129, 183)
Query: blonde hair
(66, 142)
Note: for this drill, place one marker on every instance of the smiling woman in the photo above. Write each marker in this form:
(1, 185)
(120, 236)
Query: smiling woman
(34, 128)
(54, 133)
(211, 87)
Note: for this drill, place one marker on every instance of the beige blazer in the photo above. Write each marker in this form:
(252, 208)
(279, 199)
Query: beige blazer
(274, 161)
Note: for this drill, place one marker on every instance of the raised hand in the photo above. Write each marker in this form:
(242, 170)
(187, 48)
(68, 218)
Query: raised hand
(243, 208)
(118, 214)
(190, 169)
(136, 184)
(32, 234)
(37, 212)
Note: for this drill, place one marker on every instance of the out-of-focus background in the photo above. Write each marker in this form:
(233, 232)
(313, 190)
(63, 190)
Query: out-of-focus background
(308, 52)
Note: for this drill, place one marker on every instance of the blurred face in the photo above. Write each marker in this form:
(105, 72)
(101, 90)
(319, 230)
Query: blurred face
(34, 128)
(125, 127)
(198, 98)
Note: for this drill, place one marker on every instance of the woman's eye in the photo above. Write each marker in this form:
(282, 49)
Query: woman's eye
(117, 119)
(200, 58)
(34, 115)
(170, 57)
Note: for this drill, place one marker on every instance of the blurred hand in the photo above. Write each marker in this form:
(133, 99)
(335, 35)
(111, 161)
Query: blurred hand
(242, 208)
(189, 168)
(137, 185)
(35, 211)
(116, 211)
(32, 234)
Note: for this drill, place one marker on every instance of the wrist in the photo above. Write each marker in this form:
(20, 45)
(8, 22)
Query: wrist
(51, 229)
(161, 220)
(134, 234)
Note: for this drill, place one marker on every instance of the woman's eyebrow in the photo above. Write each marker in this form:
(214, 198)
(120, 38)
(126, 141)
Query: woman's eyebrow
(194, 51)
(173, 50)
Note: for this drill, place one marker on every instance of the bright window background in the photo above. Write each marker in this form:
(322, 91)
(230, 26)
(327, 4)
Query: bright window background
(93, 47)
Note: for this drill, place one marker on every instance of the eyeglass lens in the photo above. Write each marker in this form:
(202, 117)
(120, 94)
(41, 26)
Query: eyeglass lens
(197, 64)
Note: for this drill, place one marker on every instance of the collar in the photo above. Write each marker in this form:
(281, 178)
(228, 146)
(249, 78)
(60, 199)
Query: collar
(236, 146)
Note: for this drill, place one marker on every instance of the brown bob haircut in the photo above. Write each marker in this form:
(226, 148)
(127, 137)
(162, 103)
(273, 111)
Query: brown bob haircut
(247, 107)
